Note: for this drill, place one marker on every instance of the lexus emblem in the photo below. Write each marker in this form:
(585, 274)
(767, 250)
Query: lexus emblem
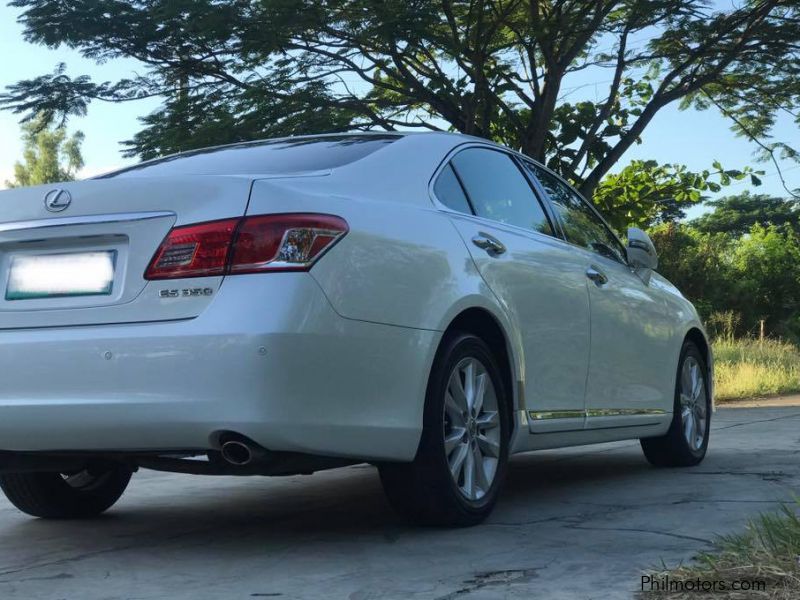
(57, 200)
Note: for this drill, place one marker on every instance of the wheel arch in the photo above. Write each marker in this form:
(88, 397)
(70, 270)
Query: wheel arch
(698, 337)
(484, 324)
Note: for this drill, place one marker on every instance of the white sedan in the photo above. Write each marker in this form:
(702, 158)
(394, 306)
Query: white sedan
(428, 303)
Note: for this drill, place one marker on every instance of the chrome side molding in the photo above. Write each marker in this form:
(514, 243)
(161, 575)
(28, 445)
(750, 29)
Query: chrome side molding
(593, 412)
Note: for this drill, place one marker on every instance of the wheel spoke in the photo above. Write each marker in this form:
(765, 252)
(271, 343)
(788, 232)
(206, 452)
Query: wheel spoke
(687, 417)
(690, 430)
(457, 461)
(488, 447)
(453, 439)
(699, 395)
(454, 411)
(457, 391)
(700, 420)
(469, 384)
(481, 479)
(480, 392)
(487, 420)
(700, 405)
(469, 473)
(686, 379)
(696, 381)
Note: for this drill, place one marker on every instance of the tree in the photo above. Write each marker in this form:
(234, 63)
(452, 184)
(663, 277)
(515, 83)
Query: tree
(49, 155)
(738, 279)
(500, 69)
(698, 263)
(645, 193)
(737, 214)
(767, 265)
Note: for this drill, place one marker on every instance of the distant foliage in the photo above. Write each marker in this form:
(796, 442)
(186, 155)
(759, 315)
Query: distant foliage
(737, 214)
(698, 263)
(723, 324)
(49, 155)
(734, 279)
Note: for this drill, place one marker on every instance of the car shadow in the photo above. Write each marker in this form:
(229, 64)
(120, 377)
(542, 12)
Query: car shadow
(332, 525)
(341, 502)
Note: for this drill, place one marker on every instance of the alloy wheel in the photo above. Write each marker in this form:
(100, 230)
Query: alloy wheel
(693, 403)
(472, 435)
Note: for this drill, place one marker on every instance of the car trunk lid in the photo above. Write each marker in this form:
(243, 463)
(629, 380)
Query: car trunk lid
(76, 253)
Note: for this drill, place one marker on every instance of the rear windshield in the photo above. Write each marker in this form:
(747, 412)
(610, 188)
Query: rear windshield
(263, 158)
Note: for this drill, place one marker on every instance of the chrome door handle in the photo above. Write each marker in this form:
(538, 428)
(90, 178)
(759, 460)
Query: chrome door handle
(596, 276)
(492, 245)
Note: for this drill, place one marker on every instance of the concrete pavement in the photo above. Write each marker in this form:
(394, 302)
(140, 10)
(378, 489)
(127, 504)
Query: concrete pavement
(577, 523)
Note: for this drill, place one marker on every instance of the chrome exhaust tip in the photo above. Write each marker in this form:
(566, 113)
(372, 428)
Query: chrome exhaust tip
(237, 453)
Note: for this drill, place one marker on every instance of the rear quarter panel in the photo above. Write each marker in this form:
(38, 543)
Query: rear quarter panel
(401, 264)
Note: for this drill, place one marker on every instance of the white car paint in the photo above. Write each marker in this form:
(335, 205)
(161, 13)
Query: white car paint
(333, 361)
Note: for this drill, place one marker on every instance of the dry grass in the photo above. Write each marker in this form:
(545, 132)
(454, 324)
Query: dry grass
(768, 552)
(747, 368)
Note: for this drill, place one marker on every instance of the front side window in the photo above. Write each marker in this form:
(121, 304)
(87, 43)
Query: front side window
(498, 190)
(581, 224)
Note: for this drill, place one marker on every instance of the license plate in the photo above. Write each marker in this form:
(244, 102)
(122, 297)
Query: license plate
(61, 275)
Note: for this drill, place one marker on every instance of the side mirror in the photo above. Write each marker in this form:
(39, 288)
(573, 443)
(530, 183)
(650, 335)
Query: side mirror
(641, 251)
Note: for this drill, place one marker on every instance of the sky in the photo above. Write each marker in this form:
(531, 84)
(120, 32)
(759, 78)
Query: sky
(692, 138)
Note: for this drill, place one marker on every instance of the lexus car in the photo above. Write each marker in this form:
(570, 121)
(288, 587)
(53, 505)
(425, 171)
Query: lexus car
(428, 303)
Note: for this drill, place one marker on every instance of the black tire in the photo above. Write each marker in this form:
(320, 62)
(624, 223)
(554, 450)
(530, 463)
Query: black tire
(69, 496)
(424, 491)
(674, 449)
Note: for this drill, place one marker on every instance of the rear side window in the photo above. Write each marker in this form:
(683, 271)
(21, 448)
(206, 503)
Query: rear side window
(264, 158)
(498, 190)
(581, 224)
(449, 192)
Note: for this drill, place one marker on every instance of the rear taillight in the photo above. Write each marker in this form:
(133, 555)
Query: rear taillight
(284, 242)
(194, 251)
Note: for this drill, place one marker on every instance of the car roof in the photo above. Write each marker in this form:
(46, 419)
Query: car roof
(445, 142)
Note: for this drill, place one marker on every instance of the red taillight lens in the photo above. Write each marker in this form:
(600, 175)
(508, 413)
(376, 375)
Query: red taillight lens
(194, 251)
(285, 242)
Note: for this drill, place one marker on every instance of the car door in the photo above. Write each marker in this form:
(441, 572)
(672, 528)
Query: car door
(537, 278)
(630, 328)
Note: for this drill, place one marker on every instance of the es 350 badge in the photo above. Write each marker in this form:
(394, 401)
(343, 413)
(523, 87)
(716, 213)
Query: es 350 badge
(186, 293)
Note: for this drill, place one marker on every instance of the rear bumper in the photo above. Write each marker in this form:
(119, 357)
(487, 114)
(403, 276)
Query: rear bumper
(269, 359)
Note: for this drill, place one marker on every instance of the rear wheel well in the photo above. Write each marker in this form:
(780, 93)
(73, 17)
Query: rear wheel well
(482, 324)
